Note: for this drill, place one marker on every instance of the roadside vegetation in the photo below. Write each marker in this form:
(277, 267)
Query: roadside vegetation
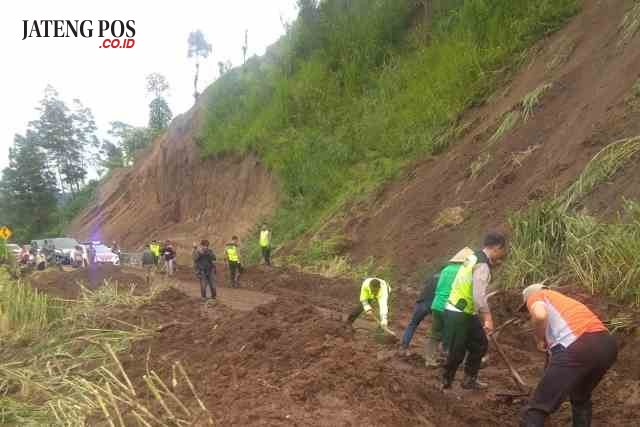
(59, 363)
(355, 90)
(558, 241)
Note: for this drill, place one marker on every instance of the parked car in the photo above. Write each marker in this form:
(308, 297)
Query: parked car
(64, 246)
(104, 255)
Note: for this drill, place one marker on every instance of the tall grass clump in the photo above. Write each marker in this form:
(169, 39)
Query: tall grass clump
(602, 167)
(350, 94)
(72, 375)
(565, 246)
(552, 240)
(25, 313)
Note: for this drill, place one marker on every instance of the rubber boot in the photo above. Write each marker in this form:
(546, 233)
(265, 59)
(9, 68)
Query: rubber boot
(471, 382)
(447, 380)
(431, 350)
(581, 414)
(532, 418)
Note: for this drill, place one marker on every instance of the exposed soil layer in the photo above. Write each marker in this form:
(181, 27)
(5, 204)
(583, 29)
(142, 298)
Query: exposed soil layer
(591, 103)
(66, 284)
(172, 193)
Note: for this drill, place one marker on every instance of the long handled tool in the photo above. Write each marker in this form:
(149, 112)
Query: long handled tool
(522, 385)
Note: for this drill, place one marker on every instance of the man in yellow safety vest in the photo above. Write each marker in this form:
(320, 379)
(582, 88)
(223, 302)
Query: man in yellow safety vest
(265, 244)
(467, 316)
(373, 290)
(232, 259)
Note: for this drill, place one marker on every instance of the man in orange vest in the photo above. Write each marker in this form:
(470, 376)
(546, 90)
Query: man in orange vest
(580, 350)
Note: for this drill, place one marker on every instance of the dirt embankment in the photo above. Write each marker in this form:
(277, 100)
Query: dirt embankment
(172, 193)
(446, 202)
(67, 284)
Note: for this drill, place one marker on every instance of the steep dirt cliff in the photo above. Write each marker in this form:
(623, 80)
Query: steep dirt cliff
(587, 78)
(172, 193)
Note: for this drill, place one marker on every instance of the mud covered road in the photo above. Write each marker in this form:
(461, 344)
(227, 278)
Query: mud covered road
(277, 353)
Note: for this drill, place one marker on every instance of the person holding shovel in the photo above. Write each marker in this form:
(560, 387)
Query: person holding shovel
(373, 290)
(435, 347)
(468, 317)
(580, 351)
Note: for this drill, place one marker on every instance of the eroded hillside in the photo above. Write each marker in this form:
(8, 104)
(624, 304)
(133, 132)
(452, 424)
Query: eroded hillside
(172, 193)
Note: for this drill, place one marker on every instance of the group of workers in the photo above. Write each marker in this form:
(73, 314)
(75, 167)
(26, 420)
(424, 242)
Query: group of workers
(204, 260)
(579, 348)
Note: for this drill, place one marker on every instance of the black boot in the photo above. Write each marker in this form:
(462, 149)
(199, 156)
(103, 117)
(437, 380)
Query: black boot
(447, 380)
(471, 382)
(581, 414)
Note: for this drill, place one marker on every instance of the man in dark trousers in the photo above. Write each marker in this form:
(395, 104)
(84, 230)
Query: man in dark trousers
(421, 310)
(581, 350)
(232, 258)
(468, 317)
(204, 261)
(265, 244)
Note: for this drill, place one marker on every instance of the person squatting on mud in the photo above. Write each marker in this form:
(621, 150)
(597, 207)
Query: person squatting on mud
(465, 332)
(580, 351)
(373, 289)
(204, 262)
(265, 244)
(232, 258)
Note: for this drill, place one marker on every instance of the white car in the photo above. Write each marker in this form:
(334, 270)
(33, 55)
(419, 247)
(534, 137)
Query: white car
(104, 255)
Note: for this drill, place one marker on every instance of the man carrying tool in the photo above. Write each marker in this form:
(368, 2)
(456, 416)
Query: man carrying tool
(580, 350)
(467, 315)
(373, 289)
(435, 347)
(265, 244)
(233, 261)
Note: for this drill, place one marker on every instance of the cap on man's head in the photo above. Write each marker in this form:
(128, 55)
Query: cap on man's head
(530, 290)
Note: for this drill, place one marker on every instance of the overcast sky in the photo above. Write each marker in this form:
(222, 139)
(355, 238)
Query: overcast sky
(112, 81)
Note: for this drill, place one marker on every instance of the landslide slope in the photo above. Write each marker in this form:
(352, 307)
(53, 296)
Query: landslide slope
(173, 193)
(577, 94)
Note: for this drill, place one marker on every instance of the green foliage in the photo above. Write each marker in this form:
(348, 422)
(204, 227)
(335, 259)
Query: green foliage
(28, 193)
(130, 139)
(25, 313)
(341, 102)
(549, 242)
(66, 137)
(159, 115)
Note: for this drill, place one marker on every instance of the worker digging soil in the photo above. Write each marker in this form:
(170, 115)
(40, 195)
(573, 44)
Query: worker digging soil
(467, 302)
(580, 352)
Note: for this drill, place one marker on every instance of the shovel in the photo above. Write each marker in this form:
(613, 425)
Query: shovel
(522, 385)
(385, 328)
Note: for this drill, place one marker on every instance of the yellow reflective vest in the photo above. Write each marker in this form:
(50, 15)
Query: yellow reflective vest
(461, 296)
(382, 297)
(232, 253)
(155, 249)
(265, 238)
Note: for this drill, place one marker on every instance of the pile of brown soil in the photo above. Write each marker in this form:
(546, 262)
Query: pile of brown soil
(66, 284)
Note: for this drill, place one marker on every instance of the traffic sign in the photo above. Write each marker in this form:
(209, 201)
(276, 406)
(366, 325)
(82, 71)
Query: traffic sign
(5, 233)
